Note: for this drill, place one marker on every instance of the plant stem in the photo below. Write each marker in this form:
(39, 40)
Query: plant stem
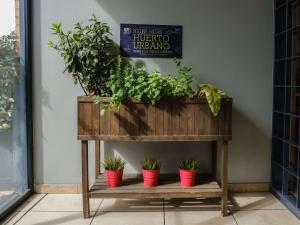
(78, 78)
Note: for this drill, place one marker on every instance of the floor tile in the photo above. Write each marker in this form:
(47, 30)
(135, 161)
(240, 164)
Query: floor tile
(259, 200)
(266, 217)
(13, 218)
(197, 218)
(30, 202)
(53, 218)
(129, 218)
(134, 205)
(192, 204)
(64, 202)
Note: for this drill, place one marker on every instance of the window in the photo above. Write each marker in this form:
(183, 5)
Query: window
(16, 181)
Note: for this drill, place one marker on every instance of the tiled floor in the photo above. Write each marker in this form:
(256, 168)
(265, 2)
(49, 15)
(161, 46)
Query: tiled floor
(247, 209)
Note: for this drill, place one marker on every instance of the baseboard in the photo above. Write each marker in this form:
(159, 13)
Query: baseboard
(76, 188)
(57, 188)
(249, 187)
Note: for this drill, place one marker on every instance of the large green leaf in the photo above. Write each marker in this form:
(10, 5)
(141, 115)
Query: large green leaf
(213, 96)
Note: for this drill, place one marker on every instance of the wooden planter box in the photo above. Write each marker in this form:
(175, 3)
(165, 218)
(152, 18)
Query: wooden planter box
(168, 120)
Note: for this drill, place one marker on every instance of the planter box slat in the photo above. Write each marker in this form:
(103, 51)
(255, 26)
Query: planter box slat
(115, 123)
(150, 126)
(187, 119)
(157, 138)
(95, 119)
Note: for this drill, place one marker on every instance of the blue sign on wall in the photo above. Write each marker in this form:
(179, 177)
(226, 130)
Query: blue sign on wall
(150, 41)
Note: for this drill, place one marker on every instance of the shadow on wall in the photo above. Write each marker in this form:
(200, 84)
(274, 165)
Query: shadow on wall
(244, 132)
(168, 152)
(218, 38)
(249, 152)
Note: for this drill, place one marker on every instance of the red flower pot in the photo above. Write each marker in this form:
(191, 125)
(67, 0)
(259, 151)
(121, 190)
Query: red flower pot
(151, 178)
(114, 178)
(187, 177)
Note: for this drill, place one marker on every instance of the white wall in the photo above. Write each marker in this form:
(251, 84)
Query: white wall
(228, 43)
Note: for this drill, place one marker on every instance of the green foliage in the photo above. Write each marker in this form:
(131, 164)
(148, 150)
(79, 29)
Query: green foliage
(114, 163)
(188, 164)
(151, 164)
(88, 52)
(9, 61)
(89, 57)
(127, 81)
(213, 96)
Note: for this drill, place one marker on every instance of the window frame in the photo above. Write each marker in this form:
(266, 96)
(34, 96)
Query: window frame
(27, 29)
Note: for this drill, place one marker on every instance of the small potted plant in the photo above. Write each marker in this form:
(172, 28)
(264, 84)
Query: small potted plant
(188, 172)
(114, 171)
(151, 169)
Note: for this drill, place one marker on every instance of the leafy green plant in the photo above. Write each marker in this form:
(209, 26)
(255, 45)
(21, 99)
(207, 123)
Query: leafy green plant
(151, 164)
(213, 96)
(90, 58)
(114, 163)
(188, 164)
(9, 61)
(88, 52)
(127, 81)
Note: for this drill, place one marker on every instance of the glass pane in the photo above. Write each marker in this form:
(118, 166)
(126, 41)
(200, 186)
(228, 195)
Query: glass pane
(279, 99)
(279, 2)
(295, 73)
(288, 100)
(280, 46)
(280, 23)
(13, 137)
(287, 128)
(288, 72)
(277, 177)
(295, 13)
(294, 124)
(278, 125)
(277, 154)
(279, 76)
(293, 159)
(296, 42)
(295, 101)
(289, 51)
(289, 16)
(292, 189)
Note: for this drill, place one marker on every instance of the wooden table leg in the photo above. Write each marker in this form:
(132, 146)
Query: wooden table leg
(214, 148)
(224, 176)
(85, 179)
(97, 158)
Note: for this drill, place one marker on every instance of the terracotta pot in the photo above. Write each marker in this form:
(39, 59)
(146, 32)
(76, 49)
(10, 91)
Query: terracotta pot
(114, 178)
(187, 177)
(151, 178)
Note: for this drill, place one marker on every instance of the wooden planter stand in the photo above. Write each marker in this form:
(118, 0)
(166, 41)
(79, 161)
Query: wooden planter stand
(168, 120)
